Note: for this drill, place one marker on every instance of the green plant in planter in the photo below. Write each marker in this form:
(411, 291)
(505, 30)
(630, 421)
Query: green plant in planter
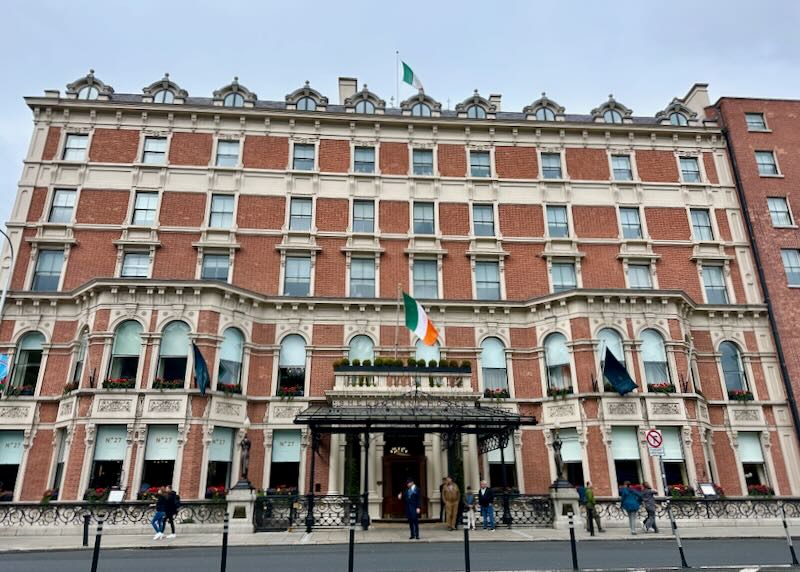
(452, 363)
(421, 363)
(379, 362)
(466, 364)
(366, 363)
(433, 363)
(412, 362)
(356, 363)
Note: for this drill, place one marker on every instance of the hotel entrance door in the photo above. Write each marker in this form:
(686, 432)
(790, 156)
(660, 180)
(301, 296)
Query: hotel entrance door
(403, 458)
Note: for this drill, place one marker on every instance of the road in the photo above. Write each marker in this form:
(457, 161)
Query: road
(423, 557)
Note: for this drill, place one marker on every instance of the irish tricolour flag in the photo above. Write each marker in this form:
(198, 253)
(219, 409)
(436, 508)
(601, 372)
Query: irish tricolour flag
(417, 321)
(410, 77)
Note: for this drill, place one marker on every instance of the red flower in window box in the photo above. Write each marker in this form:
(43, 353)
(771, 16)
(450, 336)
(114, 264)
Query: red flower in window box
(661, 388)
(760, 491)
(230, 388)
(496, 393)
(161, 383)
(118, 383)
(290, 391)
(740, 395)
(216, 492)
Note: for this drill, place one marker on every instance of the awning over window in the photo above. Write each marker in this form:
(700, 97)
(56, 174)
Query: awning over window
(624, 444)
(111, 443)
(162, 443)
(750, 447)
(673, 451)
(221, 445)
(508, 454)
(570, 446)
(286, 446)
(11, 447)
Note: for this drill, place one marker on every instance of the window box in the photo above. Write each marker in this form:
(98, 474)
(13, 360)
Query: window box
(149, 495)
(49, 495)
(16, 390)
(290, 391)
(660, 388)
(678, 491)
(119, 383)
(70, 387)
(230, 388)
(162, 384)
(96, 495)
(216, 493)
(760, 491)
(559, 391)
(740, 395)
(498, 393)
(413, 365)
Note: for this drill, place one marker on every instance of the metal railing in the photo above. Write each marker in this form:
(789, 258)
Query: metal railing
(739, 508)
(281, 512)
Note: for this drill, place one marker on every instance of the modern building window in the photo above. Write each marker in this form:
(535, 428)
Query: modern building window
(88, 92)
(422, 161)
(215, 267)
(480, 164)
(631, 222)
(551, 165)
(63, 206)
(563, 276)
(678, 119)
(154, 151)
(221, 211)
(556, 357)
(173, 354)
(125, 351)
(791, 265)
(164, 96)
(779, 211)
(145, 205)
(766, 163)
(426, 279)
(303, 159)
(714, 282)
(135, 265)
(365, 106)
(231, 356)
(755, 122)
(424, 220)
(420, 110)
(493, 365)
(476, 112)
(557, 225)
(300, 214)
(364, 160)
(639, 276)
(75, 147)
(363, 216)
(732, 369)
(292, 365)
(487, 280)
(622, 167)
(28, 362)
(361, 348)
(47, 273)
(80, 359)
(227, 153)
(483, 220)
(297, 279)
(233, 100)
(545, 114)
(362, 278)
(654, 355)
(306, 104)
(701, 224)
(612, 116)
(690, 169)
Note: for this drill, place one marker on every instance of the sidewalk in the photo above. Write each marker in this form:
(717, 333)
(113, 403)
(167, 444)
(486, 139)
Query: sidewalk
(378, 533)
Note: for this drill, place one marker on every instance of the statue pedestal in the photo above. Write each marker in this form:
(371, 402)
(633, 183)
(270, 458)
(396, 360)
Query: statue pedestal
(241, 502)
(565, 501)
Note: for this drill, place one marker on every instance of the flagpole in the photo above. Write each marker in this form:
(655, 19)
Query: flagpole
(397, 77)
(397, 318)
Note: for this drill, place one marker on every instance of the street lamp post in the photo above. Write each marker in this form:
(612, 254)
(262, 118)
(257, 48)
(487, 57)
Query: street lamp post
(8, 277)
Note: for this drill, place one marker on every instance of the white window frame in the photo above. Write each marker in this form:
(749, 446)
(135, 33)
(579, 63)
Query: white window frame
(436, 264)
(304, 200)
(763, 117)
(211, 211)
(66, 148)
(433, 162)
(481, 152)
(567, 212)
(125, 255)
(133, 209)
(642, 232)
(144, 151)
(315, 160)
(219, 143)
(785, 200)
(561, 163)
(53, 205)
(777, 172)
(203, 265)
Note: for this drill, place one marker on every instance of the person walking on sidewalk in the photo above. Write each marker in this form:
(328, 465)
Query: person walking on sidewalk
(486, 500)
(591, 507)
(172, 506)
(631, 500)
(452, 496)
(411, 500)
(160, 515)
(649, 500)
(469, 503)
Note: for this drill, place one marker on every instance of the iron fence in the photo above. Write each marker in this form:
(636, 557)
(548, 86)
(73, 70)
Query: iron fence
(280, 512)
(740, 508)
(525, 510)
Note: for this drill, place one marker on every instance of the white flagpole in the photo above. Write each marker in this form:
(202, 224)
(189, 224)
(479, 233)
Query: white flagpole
(397, 77)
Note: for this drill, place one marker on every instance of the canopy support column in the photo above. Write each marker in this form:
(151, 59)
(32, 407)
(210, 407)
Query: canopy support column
(365, 507)
(315, 438)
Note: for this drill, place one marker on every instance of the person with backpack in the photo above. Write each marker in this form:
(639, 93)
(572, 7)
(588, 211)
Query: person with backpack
(631, 500)
(171, 509)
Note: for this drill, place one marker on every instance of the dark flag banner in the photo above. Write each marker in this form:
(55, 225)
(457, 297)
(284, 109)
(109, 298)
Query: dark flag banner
(617, 375)
(200, 370)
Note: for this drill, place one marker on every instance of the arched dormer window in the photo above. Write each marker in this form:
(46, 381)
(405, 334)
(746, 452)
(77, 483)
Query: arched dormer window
(612, 111)
(654, 356)
(612, 116)
(306, 99)
(164, 91)
(421, 105)
(361, 348)
(27, 364)
(173, 356)
(231, 356)
(89, 88)
(88, 92)
(677, 114)
(544, 109)
(732, 368)
(292, 366)
(420, 110)
(476, 112)
(125, 352)
(365, 102)
(678, 118)
(476, 107)
(234, 95)
(306, 104)
(556, 358)
(366, 107)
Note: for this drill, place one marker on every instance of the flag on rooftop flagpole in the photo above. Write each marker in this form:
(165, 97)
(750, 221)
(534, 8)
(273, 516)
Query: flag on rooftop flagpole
(617, 375)
(410, 77)
(201, 376)
(418, 322)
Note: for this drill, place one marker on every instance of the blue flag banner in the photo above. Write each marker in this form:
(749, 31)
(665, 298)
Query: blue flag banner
(200, 370)
(617, 375)
(4, 365)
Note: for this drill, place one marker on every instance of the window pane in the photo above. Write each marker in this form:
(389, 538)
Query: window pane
(631, 223)
(483, 220)
(480, 163)
(361, 348)
(230, 357)
(363, 216)
(63, 205)
(365, 107)
(701, 224)
(297, 281)
(557, 361)
(613, 341)
(144, 208)
(791, 265)
(303, 157)
(421, 110)
(215, 267)
(766, 163)
(48, 270)
(135, 265)
(221, 211)
(639, 276)
(611, 116)
(551, 165)
(233, 100)
(557, 221)
(654, 355)
(75, 147)
(362, 278)
(622, 167)
(564, 278)
(364, 161)
(714, 281)
(545, 114)
(227, 153)
(732, 367)
(300, 214)
(755, 121)
(155, 150)
(690, 169)
(487, 280)
(426, 279)
(779, 211)
(423, 161)
(678, 119)
(423, 218)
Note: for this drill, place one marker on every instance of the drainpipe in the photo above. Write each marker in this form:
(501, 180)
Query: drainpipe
(787, 384)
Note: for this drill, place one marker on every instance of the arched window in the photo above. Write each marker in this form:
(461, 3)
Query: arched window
(556, 358)
(426, 352)
(476, 112)
(164, 96)
(421, 110)
(231, 355)
(678, 119)
(173, 353)
(292, 366)
(361, 348)
(233, 99)
(306, 104)
(27, 363)
(612, 116)
(493, 365)
(83, 344)
(732, 369)
(365, 106)
(88, 92)
(613, 341)
(126, 351)
(545, 114)
(654, 355)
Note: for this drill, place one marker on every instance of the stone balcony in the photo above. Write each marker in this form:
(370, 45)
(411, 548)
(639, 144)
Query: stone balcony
(394, 380)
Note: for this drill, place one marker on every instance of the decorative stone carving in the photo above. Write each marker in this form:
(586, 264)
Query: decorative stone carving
(703, 412)
(113, 406)
(279, 412)
(621, 408)
(745, 415)
(231, 409)
(666, 408)
(561, 410)
(65, 408)
(164, 406)
(14, 412)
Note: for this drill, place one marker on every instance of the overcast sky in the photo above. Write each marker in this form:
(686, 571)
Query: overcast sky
(643, 52)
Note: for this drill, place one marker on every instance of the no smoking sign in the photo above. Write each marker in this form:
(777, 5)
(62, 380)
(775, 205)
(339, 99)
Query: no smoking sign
(655, 443)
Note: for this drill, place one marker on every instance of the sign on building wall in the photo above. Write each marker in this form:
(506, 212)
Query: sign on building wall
(162, 443)
(286, 446)
(111, 443)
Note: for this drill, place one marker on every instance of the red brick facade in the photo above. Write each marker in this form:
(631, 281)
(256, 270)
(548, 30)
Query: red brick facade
(114, 145)
(265, 152)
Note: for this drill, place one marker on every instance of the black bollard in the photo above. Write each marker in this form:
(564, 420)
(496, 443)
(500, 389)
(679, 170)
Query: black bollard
(789, 538)
(86, 518)
(572, 543)
(224, 562)
(466, 543)
(96, 553)
(352, 539)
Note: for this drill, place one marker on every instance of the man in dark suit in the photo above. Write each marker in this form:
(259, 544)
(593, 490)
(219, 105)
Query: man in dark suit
(412, 501)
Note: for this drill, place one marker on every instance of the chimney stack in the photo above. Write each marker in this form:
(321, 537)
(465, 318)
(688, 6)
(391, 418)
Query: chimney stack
(494, 99)
(347, 88)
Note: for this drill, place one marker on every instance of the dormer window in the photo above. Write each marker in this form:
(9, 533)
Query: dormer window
(88, 92)
(306, 99)
(164, 91)
(676, 114)
(164, 96)
(364, 102)
(476, 112)
(89, 88)
(365, 107)
(545, 114)
(233, 100)
(235, 95)
(612, 116)
(306, 104)
(678, 119)
(544, 109)
(420, 110)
